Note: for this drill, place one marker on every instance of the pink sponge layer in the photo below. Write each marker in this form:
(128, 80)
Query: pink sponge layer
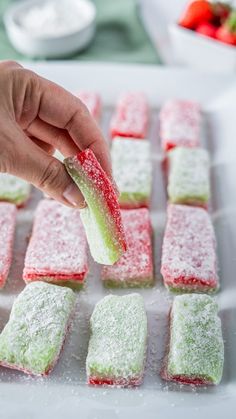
(58, 247)
(93, 102)
(188, 254)
(131, 116)
(135, 267)
(180, 124)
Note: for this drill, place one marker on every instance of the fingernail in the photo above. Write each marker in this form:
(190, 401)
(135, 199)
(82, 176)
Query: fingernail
(74, 197)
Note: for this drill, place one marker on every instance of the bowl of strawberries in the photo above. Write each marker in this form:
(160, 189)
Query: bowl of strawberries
(205, 36)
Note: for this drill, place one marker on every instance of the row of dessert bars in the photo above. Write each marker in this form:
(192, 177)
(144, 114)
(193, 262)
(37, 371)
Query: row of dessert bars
(57, 253)
(189, 262)
(33, 338)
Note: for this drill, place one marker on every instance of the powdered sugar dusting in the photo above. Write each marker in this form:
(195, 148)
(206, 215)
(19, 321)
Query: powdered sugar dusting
(135, 267)
(131, 116)
(132, 170)
(196, 345)
(101, 217)
(7, 229)
(58, 246)
(117, 346)
(188, 253)
(92, 101)
(189, 176)
(33, 337)
(180, 124)
(13, 189)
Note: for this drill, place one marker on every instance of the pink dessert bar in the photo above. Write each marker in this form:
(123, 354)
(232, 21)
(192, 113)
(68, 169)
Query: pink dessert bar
(7, 230)
(189, 250)
(180, 124)
(135, 267)
(57, 250)
(131, 116)
(93, 102)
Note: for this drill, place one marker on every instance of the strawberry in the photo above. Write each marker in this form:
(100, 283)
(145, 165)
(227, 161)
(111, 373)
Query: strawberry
(227, 32)
(221, 12)
(207, 29)
(198, 11)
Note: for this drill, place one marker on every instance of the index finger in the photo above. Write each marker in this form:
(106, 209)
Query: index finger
(61, 109)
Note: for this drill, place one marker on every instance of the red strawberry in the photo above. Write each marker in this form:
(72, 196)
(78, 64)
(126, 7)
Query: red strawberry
(207, 29)
(227, 32)
(197, 11)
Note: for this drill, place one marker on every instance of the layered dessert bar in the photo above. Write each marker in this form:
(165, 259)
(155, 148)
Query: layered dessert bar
(93, 102)
(188, 180)
(135, 267)
(33, 338)
(101, 217)
(189, 261)
(57, 251)
(14, 189)
(195, 352)
(118, 341)
(132, 171)
(180, 123)
(131, 115)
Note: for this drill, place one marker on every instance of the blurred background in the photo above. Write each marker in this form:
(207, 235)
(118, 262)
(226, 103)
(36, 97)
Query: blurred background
(131, 31)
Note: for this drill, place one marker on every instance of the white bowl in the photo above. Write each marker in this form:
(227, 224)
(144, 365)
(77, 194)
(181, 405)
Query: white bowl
(53, 45)
(201, 52)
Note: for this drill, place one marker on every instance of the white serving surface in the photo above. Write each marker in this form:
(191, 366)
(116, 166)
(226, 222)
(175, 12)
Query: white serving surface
(65, 394)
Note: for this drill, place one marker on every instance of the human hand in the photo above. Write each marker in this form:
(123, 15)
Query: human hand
(37, 117)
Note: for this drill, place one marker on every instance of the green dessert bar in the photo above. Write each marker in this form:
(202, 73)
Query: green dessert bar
(132, 170)
(188, 181)
(13, 189)
(117, 346)
(32, 339)
(196, 349)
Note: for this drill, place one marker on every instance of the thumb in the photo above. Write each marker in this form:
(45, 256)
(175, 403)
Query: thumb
(27, 160)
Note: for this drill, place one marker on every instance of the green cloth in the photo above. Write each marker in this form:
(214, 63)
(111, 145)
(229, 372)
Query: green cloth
(120, 36)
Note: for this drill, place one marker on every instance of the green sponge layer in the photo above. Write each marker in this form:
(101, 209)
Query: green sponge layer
(196, 349)
(117, 346)
(102, 217)
(13, 189)
(32, 339)
(188, 176)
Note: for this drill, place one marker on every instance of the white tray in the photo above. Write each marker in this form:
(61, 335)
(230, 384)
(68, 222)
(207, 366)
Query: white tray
(64, 394)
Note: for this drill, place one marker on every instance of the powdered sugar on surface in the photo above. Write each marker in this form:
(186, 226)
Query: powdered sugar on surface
(130, 118)
(66, 386)
(189, 248)
(196, 344)
(7, 230)
(180, 122)
(188, 175)
(136, 263)
(117, 346)
(58, 244)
